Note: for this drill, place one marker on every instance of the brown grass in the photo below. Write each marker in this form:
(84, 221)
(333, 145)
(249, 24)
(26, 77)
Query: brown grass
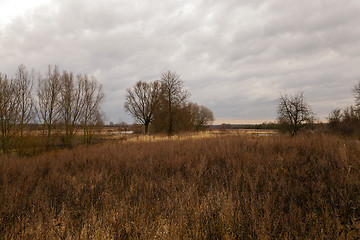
(225, 187)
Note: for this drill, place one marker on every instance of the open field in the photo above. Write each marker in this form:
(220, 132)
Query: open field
(221, 187)
(113, 134)
(34, 142)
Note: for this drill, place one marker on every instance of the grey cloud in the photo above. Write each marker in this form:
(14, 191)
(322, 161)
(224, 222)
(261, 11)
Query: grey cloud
(234, 56)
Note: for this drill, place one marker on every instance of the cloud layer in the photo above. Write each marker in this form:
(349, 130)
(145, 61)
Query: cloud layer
(234, 56)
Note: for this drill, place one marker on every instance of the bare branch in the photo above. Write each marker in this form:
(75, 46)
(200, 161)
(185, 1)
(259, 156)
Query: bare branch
(293, 112)
(142, 102)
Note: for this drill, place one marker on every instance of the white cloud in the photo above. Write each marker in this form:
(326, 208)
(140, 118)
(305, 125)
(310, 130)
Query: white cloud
(10, 9)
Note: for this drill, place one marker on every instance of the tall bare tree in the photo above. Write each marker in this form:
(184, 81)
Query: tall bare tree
(24, 86)
(48, 94)
(72, 103)
(93, 97)
(9, 111)
(173, 96)
(142, 101)
(293, 112)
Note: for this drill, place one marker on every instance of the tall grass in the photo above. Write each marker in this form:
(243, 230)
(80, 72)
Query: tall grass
(228, 187)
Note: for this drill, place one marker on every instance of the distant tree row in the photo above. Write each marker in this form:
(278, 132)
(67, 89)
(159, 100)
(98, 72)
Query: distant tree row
(60, 99)
(347, 121)
(163, 106)
(294, 113)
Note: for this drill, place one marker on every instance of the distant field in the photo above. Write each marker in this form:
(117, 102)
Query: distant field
(34, 141)
(219, 185)
(113, 133)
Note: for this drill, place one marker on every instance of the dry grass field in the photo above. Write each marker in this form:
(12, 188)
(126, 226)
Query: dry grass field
(219, 187)
(113, 134)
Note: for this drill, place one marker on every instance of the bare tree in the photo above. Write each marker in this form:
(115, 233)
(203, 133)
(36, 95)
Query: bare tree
(24, 85)
(350, 114)
(173, 96)
(201, 116)
(356, 91)
(72, 103)
(93, 97)
(293, 112)
(335, 118)
(142, 101)
(9, 111)
(48, 99)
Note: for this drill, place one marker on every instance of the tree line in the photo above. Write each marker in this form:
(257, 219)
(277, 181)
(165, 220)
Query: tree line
(57, 104)
(163, 106)
(62, 100)
(294, 114)
(347, 120)
(53, 100)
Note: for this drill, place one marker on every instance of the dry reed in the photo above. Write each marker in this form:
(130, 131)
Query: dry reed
(225, 187)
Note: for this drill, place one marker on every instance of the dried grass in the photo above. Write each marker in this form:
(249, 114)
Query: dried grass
(224, 187)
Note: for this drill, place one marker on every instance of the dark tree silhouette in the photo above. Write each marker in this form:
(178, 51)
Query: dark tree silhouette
(24, 83)
(93, 97)
(173, 96)
(48, 93)
(9, 111)
(142, 101)
(293, 112)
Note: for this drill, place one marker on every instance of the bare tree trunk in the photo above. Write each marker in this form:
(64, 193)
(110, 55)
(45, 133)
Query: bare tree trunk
(9, 111)
(171, 118)
(24, 84)
(90, 115)
(173, 94)
(146, 127)
(72, 102)
(48, 100)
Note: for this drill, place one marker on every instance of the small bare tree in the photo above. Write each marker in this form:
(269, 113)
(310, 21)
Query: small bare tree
(142, 101)
(293, 112)
(335, 118)
(9, 111)
(48, 94)
(93, 97)
(173, 96)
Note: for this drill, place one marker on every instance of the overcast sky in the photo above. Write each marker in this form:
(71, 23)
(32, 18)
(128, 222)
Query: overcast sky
(234, 56)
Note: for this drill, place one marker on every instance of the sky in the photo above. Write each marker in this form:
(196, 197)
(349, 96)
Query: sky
(235, 56)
